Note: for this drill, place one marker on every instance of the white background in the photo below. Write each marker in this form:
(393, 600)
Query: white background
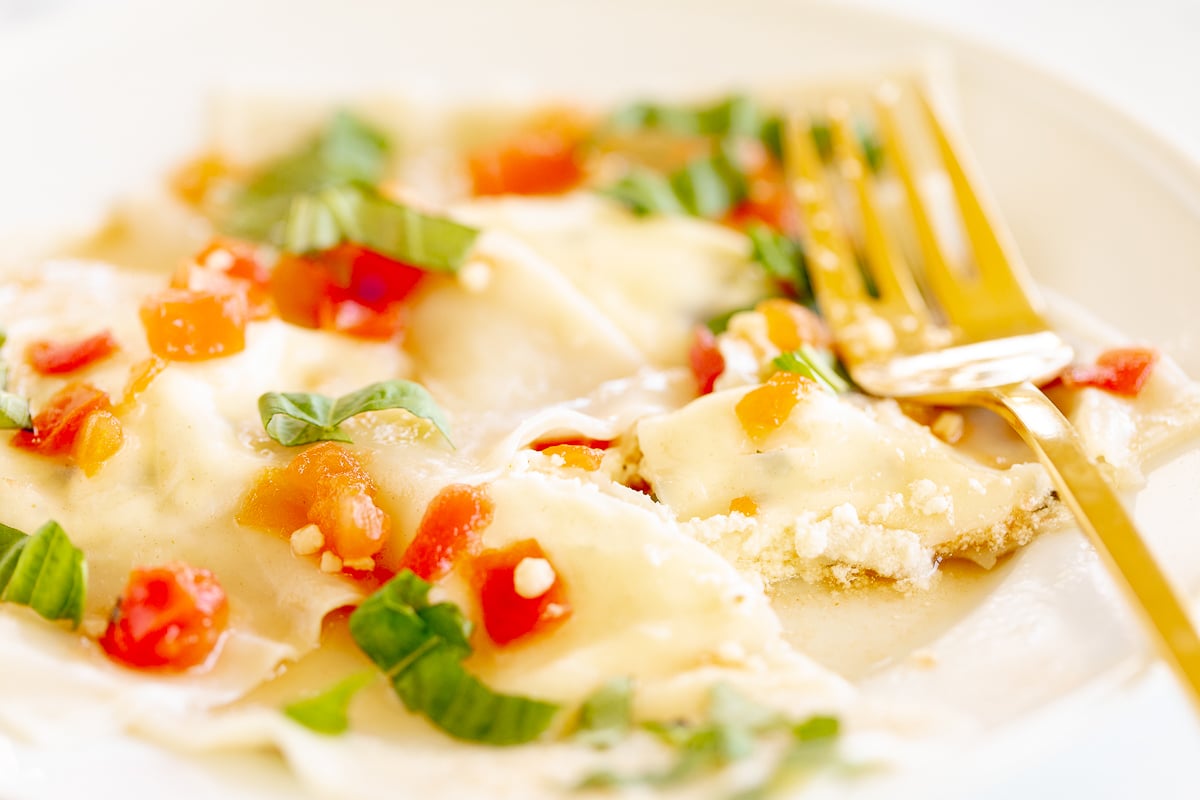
(1143, 56)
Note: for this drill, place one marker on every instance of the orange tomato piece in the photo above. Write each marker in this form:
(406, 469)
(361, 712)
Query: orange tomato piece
(508, 616)
(705, 359)
(230, 266)
(141, 375)
(187, 325)
(577, 456)
(763, 409)
(450, 529)
(57, 425)
(99, 439)
(790, 325)
(1122, 371)
(193, 181)
(60, 358)
(273, 504)
(543, 159)
(170, 617)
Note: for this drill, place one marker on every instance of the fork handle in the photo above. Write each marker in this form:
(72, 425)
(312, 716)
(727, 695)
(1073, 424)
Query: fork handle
(1099, 512)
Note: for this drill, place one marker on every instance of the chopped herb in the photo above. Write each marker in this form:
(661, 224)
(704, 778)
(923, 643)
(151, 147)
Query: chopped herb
(720, 323)
(815, 365)
(730, 733)
(14, 409)
(359, 214)
(43, 571)
(296, 418)
(607, 716)
(326, 712)
(782, 257)
(811, 748)
(347, 151)
(735, 116)
(420, 647)
(822, 136)
(705, 187)
(872, 148)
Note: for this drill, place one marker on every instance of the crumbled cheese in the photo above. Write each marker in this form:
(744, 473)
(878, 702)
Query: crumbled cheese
(930, 499)
(307, 541)
(365, 564)
(533, 577)
(949, 426)
(330, 562)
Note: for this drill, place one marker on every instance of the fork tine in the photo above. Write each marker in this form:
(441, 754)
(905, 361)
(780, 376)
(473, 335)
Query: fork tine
(1003, 276)
(945, 285)
(893, 277)
(838, 283)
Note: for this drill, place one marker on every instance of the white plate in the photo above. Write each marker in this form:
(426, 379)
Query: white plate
(100, 102)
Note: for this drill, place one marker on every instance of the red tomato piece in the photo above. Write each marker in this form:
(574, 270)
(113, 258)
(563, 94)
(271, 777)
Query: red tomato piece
(541, 160)
(57, 425)
(705, 358)
(450, 529)
(574, 441)
(1122, 371)
(507, 615)
(59, 358)
(171, 617)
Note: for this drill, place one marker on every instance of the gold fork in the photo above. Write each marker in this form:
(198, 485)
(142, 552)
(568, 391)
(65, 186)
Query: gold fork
(981, 342)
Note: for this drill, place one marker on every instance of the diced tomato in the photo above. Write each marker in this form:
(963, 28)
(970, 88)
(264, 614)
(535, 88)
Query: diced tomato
(186, 325)
(450, 529)
(744, 505)
(169, 617)
(60, 358)
(348, 289)
(57, 425)
(577, 456)
(790, 325)
(763, 409)
(507, 615)
(231, 266)
(768, 200)
(543, 159)
(1123, 371)
(325, 485)
(705, 358)
(545, 444)
(99, 439)
(141, 375)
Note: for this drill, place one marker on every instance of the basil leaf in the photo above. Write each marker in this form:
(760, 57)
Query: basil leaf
(14, 409)
(298, 418)
(359, 214)
(420, 647)
(710, 187)
(704, 187)
(346, 151)
(782, 258)
(822, 136)
(812, 364)
(872, 148)
(43, 571)
(735, 116)
(606, 717)
(326, 712)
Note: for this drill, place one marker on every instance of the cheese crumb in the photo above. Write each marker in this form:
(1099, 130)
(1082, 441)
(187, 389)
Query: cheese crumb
(949, 427)
(307, 541)
(365, 564)
(330, 562)
(533, 577)
(929, 498)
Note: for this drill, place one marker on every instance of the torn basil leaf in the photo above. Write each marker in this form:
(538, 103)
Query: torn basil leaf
(346, 151)
(782, 258)
(420, 647)
(326, 712)
(606, 717)
(14, 409)
(707, 187)
(736, 116)
(814, 365)
(297, 418)
(43, 571)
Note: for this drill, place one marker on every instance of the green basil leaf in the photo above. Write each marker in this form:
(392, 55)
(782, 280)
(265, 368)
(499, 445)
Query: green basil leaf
(816, 729)
(357, 213)
(815, 365)
(412, 397)
(704, 187)
(298, 418)
(735, 116)
(872, 148)
(822, 136)
(420, 647)
(326, 712)
(43, 571)
(346, 151)
(14, 412)
(782, 258)
(606, 717)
